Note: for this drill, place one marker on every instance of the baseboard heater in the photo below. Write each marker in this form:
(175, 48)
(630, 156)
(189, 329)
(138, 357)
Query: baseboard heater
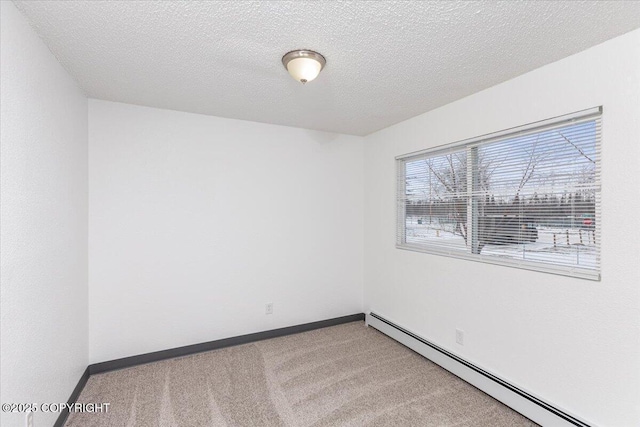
(521, 401)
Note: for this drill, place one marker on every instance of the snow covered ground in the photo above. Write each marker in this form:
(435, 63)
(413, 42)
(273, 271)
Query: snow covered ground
(564, 246)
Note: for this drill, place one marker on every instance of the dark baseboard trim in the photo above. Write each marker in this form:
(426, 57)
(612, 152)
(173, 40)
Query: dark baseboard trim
(128, 362)
(62, 418)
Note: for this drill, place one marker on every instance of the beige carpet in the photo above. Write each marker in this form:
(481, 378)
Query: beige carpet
(347, 375)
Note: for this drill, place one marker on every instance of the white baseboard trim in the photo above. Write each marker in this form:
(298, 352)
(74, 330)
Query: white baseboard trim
(519, 400)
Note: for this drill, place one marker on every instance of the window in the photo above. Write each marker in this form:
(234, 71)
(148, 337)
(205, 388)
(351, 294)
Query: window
(527, 197)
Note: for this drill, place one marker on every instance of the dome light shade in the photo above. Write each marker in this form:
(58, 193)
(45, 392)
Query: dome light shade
(303, 65)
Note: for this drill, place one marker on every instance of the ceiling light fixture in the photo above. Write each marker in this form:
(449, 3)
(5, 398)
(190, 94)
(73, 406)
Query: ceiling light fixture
(303, 65)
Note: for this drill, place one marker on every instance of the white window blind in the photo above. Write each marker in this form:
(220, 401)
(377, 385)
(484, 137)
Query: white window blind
(527, 197)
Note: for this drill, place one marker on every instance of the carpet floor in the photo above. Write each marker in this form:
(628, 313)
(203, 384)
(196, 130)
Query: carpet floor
(346, 375)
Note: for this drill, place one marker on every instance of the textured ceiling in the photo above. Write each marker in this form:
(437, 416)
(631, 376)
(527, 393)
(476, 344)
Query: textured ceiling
(386, 61)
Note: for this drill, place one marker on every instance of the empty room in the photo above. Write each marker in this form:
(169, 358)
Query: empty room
(320, 213)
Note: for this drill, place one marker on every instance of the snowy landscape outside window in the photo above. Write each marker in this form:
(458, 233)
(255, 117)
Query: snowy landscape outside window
(528, 197)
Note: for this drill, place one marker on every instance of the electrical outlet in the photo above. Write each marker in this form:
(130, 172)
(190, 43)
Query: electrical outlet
(460, 336)
(29, 419)
(269, 308)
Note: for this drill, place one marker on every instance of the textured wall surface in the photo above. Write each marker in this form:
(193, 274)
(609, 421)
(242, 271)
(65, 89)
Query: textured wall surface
(386, 61)
(573, 342)
(43, 216)
(197, 222)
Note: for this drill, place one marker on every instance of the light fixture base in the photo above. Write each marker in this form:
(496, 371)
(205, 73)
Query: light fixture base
(304, 65)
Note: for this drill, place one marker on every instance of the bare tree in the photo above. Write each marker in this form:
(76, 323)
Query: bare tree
(522, 176)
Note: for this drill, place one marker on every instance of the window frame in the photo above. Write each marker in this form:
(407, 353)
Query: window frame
(591, 114)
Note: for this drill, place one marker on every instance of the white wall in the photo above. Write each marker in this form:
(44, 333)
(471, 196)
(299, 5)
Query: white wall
(196, 222)
(43, 190)
(576, 343)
